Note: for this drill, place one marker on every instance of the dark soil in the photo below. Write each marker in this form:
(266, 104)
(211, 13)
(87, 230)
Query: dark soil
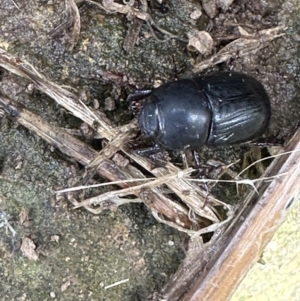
(79, 254)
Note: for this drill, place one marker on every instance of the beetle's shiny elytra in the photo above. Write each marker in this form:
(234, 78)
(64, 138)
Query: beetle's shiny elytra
(221, 109)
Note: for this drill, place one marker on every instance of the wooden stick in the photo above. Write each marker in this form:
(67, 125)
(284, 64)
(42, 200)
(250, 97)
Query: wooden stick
(214, 272)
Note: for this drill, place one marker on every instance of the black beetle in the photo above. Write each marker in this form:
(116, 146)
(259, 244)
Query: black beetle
(220, 109)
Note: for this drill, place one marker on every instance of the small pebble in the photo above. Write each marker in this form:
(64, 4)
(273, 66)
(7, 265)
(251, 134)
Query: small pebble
(110, 104)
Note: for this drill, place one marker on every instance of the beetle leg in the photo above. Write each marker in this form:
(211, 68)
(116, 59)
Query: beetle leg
(211, 170)
(146, 152)
(266, 142)
(136, 99)
(138, 95)
(196, 158)
(158, 157)
(184, 160)
(206, 201)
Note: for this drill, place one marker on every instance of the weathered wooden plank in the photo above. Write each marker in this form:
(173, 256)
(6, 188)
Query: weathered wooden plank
(223, 265)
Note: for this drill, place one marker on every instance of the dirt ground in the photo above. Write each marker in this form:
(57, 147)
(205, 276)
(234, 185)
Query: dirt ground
(69, 254)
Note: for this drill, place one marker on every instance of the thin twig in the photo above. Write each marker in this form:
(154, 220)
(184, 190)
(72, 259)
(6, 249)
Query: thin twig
(266, 158)
(116, 283)
(15, 4)
(4, 222)
(134, 189)
(242, 46)
(74, 12)
(103, 184)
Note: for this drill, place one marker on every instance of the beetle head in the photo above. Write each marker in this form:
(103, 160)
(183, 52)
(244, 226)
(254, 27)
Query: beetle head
(149, 119)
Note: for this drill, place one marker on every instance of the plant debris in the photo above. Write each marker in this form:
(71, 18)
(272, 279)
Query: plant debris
(172, 211)
(73, 19)
(28, 249)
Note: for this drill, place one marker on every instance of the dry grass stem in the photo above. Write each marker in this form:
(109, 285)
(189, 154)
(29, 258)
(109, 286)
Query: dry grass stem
(5, 223)
(135, 27)
(72, 20)
(112, 204)
(72, 9)
(241, 47)
(63, 97)
(116, 283)
(134, 189)
(112, 7)
(15, 4)
(267, 158)
(123, 135)
(71, 189)
(196, 233)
